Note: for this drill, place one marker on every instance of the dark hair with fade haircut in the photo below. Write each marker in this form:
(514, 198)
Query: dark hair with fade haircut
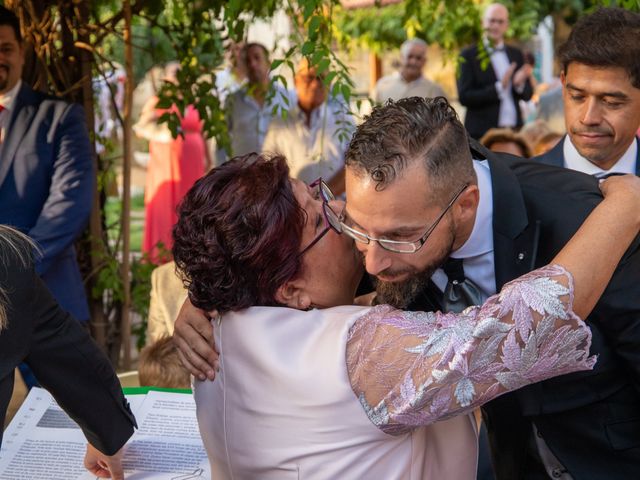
(8, 18)
(609, 37)
(413, 129)
(238, 235)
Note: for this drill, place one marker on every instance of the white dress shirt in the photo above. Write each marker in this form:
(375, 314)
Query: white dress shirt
(500, 62)
(249, 121)
(7, 100)
(395, 87)
(575, 161)
(316, 150)
(477, 251)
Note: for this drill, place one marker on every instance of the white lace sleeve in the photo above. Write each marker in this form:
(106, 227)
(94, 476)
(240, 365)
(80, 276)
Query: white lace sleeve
(413, 368)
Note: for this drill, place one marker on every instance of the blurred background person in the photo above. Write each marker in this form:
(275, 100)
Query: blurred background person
(167, 296)
(506, 140)
(315, 133)
(160, 366)
(250, 109)
(492, 94)
(232, 77)
(546, 142)
(409, 80)
(174, 166)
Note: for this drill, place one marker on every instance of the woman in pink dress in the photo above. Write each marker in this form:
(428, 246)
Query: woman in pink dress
(174, 166)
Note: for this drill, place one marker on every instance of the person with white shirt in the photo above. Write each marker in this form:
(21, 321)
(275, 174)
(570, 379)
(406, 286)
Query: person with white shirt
(315, 133)
(409, 80)
(250, 109)
(601, 95)
(492, 93)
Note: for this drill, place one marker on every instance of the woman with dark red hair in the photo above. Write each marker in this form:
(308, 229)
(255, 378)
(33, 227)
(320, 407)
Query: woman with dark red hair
(311, 389)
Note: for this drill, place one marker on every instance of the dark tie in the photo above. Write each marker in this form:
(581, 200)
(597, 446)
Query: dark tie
(460, 292)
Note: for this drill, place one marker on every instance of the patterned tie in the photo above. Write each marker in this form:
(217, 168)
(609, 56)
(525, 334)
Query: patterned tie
(460, 292)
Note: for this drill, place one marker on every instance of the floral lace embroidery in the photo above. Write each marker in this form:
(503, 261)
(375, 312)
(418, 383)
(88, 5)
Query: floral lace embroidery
(414, 368)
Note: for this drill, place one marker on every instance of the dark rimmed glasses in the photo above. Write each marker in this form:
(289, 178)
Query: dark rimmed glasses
(331, 218)
(398, 246)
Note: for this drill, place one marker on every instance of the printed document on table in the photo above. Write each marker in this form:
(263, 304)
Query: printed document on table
(43, 443)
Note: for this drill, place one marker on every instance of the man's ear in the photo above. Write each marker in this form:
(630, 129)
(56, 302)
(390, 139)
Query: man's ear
(293, 294)
(468, 201)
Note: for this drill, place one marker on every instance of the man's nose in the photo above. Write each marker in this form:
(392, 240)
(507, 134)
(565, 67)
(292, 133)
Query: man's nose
(376, 258)
(592, 112)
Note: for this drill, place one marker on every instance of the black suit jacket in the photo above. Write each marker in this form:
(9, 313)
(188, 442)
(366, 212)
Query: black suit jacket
(62, 355)
(589, 420)
(477, 91)
(555, 156)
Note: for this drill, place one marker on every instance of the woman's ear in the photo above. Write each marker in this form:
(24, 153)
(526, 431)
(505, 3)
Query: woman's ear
(293, 294)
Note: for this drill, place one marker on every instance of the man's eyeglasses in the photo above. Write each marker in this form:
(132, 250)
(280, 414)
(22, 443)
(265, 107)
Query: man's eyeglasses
(397, 246)
(331, 218)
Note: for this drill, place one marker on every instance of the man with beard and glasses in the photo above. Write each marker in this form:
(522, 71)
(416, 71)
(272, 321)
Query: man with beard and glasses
(421, 196)
(601, 95)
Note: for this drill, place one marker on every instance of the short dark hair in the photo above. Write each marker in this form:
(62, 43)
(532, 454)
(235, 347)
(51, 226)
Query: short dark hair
(413, 129)
(609, 37)
(238, 234)
(7, 17)
(250, 45)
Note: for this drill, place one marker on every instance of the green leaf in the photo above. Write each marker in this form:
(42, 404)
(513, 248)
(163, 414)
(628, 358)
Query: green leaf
(276, 63)
(307, 48)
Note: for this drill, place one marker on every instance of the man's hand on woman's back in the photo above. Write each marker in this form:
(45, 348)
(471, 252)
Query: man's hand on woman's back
(193, 336)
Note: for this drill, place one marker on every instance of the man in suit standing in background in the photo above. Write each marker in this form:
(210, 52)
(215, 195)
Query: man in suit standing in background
(491, 94)
(46, 171)
(601, 95)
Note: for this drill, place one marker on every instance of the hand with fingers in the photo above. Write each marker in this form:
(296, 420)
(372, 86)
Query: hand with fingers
(193, 336)
(104, 466)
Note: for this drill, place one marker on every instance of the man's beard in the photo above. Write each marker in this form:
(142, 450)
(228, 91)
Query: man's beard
(402, 294)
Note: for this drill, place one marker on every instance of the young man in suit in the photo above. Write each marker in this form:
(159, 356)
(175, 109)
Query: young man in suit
(491, 94)
(46, 171)
(413, 177)
(601, 95)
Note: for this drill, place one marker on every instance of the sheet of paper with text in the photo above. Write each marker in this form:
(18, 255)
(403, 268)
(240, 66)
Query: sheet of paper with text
(43, 443)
